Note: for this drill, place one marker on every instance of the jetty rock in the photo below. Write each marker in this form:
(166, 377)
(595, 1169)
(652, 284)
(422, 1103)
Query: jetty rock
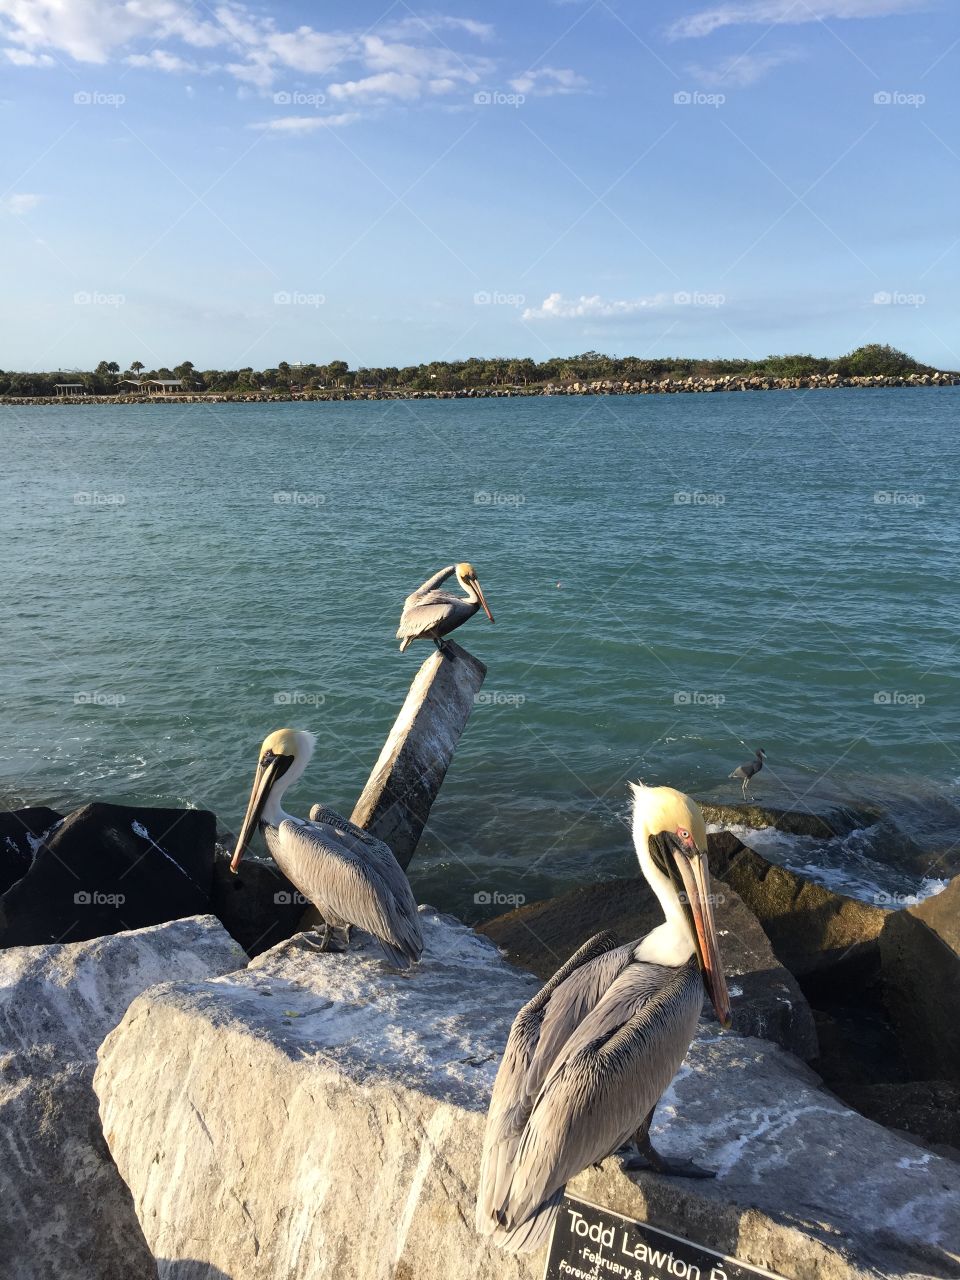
(110, 868)
(64, 1210)
(21, 833)
(320, 1115)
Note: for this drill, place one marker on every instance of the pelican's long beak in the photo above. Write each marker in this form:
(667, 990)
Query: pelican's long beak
(483, 604)
(695, 874)
(269, 770)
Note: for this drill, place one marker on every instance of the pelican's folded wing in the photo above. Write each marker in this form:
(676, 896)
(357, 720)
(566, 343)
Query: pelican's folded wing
(516, 1085)
(431, 584)
(341, 877)
(364, 845)
(611, 1073)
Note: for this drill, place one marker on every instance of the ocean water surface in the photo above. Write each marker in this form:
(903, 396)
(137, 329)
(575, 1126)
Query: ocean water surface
(676, 580)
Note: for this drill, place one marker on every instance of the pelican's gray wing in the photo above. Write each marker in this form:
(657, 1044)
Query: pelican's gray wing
(440, 608)
(609, 1076)
(349, 886)
(431, 584)
(364, 845)
(526, 1058)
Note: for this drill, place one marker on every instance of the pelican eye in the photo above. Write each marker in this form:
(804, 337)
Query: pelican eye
(684, 835)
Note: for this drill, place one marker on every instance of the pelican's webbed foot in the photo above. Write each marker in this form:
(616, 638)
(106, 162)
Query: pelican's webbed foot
(325, 939)
(648, 1157)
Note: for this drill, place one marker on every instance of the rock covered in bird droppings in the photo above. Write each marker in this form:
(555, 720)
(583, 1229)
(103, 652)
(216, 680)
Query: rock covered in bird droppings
(64, 1210)
(320, 1115)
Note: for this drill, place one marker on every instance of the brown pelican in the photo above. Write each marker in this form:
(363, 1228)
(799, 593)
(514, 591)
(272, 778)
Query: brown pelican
(750, 769)
(349, 876)
(430, 613)
(589, 1057)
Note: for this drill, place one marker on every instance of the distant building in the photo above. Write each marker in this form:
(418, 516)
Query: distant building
(70, 388)
(154, 386)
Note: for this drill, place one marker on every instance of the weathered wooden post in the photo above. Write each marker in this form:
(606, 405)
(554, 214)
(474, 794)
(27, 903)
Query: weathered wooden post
(396, 801)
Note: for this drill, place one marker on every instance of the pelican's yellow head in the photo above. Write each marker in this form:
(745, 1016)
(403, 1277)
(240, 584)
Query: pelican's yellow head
(467, 577)
(283, 757)
(666, 811)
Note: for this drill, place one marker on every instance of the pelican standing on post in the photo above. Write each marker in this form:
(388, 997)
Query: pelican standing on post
(430, 613)
(748, 771)
(589, 1057)
(350, 877)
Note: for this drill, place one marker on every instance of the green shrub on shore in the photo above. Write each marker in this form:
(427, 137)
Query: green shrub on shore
(461, 375)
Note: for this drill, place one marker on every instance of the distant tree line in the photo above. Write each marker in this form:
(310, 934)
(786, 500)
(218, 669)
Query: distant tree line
(460, 375)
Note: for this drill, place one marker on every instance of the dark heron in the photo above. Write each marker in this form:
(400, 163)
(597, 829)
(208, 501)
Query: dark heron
(750, 769)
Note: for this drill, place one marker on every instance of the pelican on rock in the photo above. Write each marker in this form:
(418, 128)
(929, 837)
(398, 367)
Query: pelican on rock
(430, 613)
(589, 1057)
(350, 877)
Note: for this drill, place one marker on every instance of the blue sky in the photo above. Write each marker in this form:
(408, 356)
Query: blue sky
(241, 184)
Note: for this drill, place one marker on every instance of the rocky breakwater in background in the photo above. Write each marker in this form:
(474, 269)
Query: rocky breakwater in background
(596, 387)
(65, 1213)
(321, 1116)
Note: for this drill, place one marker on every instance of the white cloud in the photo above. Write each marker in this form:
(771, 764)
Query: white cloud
(787, 12)
(556, 307)
(742, 70)
(23, 58)
(160, 60)
(388, 84)
(307, 124)
(547, 81)
(20, 202)
(423, 24)
(309, 50)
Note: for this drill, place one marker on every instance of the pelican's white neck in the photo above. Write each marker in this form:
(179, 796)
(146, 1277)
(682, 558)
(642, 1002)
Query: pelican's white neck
(671, 943)
(273, 814)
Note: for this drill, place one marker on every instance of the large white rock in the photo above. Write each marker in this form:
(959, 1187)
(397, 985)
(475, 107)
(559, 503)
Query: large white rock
(65, 1213)
(320, 1116)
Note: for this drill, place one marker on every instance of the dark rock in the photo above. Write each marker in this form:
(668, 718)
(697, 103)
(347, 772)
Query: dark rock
(928, 1109)
(766, 999)
(820, 936)
(258, 906)
(109, 868)
(920, 951)
(795, 822)
(20, 831)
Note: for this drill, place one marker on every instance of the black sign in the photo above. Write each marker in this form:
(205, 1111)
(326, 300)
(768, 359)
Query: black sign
(590, 1243)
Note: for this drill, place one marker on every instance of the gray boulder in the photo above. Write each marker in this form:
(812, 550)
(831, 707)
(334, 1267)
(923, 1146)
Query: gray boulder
(920, 950)
(819, 935)
(64, 1210)
(321, 1116)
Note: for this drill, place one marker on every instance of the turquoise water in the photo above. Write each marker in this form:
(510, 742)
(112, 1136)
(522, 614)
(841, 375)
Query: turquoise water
(674, 579)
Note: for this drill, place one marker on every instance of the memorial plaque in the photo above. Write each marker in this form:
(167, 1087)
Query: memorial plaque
(590, 1243)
